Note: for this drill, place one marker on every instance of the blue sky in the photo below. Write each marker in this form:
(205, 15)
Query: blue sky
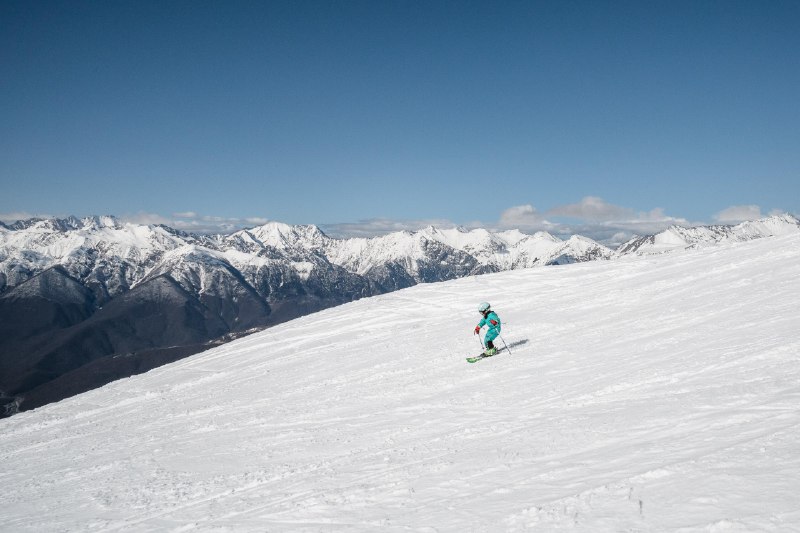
(368, 116)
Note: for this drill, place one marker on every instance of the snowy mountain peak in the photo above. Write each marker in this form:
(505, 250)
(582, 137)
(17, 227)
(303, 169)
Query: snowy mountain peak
(273, 233)
(458, 238)
(784, 224)
(69, 223)
(680, 238)
(46, 224)
(513, 236)
(543, 235)
(285, 236)
(99, 222)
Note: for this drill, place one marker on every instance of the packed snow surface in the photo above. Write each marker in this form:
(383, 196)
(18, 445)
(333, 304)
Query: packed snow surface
(655, 393)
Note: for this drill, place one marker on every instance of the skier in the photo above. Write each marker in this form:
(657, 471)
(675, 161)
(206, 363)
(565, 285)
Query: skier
(491, 320)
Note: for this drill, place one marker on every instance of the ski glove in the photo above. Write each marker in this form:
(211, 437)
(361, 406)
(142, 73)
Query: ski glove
(477, 330)
(494, 322)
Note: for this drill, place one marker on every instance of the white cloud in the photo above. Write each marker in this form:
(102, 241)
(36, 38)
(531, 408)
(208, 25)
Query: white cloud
(594, 209)
(520, 214)
(14, 216)
(146, 218)
(216, 224)
(380, 226)
(191, 221)
(592, 217)
(620, 238)
(738, 213)
(743, 213)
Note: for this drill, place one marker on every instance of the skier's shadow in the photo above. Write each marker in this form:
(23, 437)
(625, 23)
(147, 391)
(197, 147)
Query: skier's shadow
(520, 342)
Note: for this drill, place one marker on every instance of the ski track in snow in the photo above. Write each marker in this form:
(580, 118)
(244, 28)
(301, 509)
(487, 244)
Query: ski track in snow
(645, 394)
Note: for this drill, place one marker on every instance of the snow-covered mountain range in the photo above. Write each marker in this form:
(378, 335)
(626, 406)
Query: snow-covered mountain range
(678, 237)
(114, 257)
(655, 393)
(78, 294)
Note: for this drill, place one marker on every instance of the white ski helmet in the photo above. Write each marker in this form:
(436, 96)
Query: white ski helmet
(484, 307)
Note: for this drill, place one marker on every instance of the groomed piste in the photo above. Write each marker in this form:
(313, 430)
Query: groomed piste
(657, 393)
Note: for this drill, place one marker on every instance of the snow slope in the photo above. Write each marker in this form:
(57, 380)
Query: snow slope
(653, 393)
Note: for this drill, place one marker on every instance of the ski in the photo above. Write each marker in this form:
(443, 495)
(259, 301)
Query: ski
(477, 358)
(484, 356)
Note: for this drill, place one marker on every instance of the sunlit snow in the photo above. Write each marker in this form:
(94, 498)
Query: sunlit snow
(653, 393)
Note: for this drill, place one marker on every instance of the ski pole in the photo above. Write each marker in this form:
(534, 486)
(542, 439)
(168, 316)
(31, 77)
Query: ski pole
(504, 343)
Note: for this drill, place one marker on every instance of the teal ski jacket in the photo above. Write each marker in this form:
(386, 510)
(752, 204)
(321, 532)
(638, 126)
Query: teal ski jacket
(491, 320)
